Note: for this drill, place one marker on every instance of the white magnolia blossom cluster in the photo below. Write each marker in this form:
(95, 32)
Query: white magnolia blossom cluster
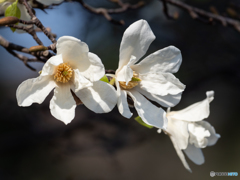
(75, 70)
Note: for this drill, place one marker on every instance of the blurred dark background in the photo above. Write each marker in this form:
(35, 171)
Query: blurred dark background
(36, 146)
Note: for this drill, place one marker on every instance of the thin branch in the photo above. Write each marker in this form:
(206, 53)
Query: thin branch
(197, 14)
(37, 22)
(106, 12)
(29, 29)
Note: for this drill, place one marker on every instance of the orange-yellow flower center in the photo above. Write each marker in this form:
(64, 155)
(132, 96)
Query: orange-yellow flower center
(131, 84)
(63, 73)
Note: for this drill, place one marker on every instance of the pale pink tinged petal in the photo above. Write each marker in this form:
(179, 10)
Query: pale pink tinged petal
(213, 135)
(194, 154)
(166, 60)
(149, 113)
(34, 90)
(50, 2)
(178, 130)
(136, 40)
(161, 84)
(96, 69)
(166, 101)
(123, 107)
(49, 66)
(195, 112)
(100, 98)
(63, 105)
(74, 52)
(79, 81)
(180, 154)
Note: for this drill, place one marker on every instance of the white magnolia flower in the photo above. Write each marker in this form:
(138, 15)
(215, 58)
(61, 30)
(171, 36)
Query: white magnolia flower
(75, 69)
(152, 77)
(190, 133)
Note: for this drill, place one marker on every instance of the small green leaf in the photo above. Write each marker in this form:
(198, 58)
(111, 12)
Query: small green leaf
(112, 81)
(104, 79)
(135, 79)
(140, 121)
(13, 10)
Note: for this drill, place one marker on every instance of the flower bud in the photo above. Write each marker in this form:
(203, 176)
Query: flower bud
(8, 20)
(37, 48)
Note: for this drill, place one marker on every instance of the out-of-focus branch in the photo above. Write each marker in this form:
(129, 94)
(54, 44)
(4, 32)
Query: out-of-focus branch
(29, 29)
(36, 21)
(201, 15)
(106, 12)
(39, 56)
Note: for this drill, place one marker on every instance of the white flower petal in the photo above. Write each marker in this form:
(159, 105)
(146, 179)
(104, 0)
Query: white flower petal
(50, 2)
(136, 40)
(213, 135)
(149, 113)
(125, 74)
(194, 154)
(166, 60)
(49, 66)
(74, 52)
(34, 90)
(198, 135)
(196, 112)
(96, 69)
(161, 84)
(166, 101)
(180, 154)
(100, 98)
(122, 102)
(62, 105)
(79, 81)
(179, 131)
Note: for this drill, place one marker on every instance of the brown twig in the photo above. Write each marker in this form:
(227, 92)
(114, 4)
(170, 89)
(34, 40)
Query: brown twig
(29, 29)
(39, 56)
(37, 22)
(106, 12)
(202, 15)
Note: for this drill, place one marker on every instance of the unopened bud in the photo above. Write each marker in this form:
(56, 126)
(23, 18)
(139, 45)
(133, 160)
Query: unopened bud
(8, 20)
(37, 48)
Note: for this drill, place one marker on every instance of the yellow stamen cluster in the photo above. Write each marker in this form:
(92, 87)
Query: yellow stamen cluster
(63, 73)
(131, 84)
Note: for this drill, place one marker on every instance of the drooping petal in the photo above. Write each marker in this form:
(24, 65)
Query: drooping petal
(194, 154)
(213, 135)
(79, 81)
(50, 2)
(62, 105)
(74, 52)
(166, 60)
(100, 98)
(125, 74)
(180, 154)
(49, 66)
(166, 101)
(196, 112)
(34, 90)
(122, 102)
(136, 40)
(179, 131)
(161, 84)
(149, 113)
(96, 69)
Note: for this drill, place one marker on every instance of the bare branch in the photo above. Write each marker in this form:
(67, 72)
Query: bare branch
(106, 12)
(204, 16)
